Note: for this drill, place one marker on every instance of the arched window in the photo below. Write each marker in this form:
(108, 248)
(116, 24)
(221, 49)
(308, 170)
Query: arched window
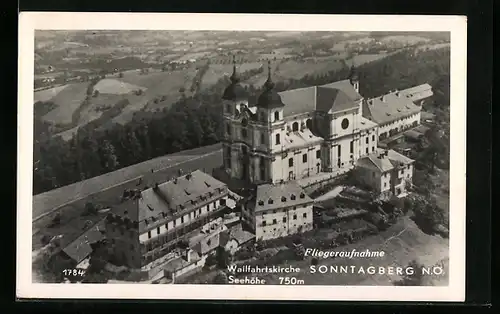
(228, 108)
(276, 116)
(309, 124)
(263, 116)
(295, 126)
(277, 139)
(244, 133)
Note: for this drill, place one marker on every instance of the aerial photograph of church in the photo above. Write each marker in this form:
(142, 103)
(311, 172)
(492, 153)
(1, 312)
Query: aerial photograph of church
(266, 147)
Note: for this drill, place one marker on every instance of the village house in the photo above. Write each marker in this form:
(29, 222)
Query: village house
(278, 210)
(386, 171)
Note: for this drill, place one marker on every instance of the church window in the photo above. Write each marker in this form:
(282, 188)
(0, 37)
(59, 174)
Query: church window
(309, 124)
(229, 108)
(295, 126)
(262, 138)
(244, 133)
(290, 162)
(352, 147)
(244, 122)
(276, 116)
(304, 158)
(345, 123)
(228, 129)
(318, 153)
(263, 116)
(277, 139)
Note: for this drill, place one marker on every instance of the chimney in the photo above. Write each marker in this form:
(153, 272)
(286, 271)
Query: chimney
(155, 188)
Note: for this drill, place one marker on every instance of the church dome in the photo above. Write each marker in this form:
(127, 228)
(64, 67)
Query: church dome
(269, 97)
(235, 91)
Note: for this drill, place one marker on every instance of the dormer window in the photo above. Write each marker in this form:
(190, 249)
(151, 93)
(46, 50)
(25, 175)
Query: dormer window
(283, 199)
(302, 195)
(270, 201)
(292, 197)
(295, 127)
(261, 203)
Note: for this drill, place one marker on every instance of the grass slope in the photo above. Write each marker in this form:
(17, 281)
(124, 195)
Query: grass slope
(401, 243)
(48, 94)
(68, 100)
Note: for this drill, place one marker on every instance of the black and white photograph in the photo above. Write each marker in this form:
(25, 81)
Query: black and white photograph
(226, 158)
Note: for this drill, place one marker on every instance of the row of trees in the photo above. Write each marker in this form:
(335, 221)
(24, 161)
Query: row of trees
(196, 121)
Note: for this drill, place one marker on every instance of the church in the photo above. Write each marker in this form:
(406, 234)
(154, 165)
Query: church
(295, 134)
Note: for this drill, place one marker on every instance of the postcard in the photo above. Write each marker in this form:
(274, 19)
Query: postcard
(241, 157)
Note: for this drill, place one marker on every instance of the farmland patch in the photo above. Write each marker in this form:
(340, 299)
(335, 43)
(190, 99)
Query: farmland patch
(48, 94)
(68, 100)
(113, 86)
(217, 71)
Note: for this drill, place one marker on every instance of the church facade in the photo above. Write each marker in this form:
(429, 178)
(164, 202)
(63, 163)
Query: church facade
(296, 133)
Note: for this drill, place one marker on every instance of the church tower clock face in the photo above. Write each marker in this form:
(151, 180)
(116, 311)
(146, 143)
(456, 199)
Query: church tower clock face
(345, 123)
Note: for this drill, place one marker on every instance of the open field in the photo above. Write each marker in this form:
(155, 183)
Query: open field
(432, 46)
(217, 71)
(157, 84)
(292, 69)
(68, 100)
(401, 243)
(113, 86)
(407, 39)
(206, 157)
(365, 58)
(48, 94)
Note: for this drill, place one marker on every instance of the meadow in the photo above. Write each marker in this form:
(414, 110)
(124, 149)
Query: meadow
(48, 94)
(217, 71)
(68, 100)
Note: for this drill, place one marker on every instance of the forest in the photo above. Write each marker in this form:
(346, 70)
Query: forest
(197, 120)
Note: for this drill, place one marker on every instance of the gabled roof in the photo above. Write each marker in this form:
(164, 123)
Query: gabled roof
(418, 92)
(273, 196)
(80, 248)
(389, 107)
(167, 199)
(330, 97)
(383, 160)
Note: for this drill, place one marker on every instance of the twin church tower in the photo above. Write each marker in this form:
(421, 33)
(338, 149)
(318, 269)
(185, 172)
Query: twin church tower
(296, 133)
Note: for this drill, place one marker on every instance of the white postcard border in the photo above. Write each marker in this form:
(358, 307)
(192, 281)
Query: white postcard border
(29, 21)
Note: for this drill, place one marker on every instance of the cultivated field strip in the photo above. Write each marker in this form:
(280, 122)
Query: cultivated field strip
(53, 200)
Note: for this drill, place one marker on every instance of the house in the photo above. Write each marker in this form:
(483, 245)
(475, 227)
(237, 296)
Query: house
(234, 238)
(80, 249)
(278, 210)
(386, 171)
(149, 224)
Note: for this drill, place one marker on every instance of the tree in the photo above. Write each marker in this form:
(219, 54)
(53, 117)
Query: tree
(107, 154)
(220, 278)
(223, 258)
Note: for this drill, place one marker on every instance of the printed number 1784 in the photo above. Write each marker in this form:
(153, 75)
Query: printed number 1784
(73, 272)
